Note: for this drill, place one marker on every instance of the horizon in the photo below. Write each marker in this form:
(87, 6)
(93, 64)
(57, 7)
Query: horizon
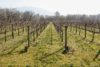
(64, 7)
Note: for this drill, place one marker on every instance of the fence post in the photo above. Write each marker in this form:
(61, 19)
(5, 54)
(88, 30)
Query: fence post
(85, 30)
(33, 35)
(28, 37)
(62, 35)
(12, 32)
(79, 29)
(65, 45)
(5, 35)
(36, 32)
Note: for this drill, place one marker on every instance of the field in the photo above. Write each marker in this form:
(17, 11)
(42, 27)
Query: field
(46, 50)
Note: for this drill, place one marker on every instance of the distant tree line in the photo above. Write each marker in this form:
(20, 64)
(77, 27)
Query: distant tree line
(9, 17)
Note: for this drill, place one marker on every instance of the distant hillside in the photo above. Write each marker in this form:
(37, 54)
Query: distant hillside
(35, 10)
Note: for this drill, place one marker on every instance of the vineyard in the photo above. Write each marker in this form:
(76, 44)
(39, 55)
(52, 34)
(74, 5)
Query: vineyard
(28, 40)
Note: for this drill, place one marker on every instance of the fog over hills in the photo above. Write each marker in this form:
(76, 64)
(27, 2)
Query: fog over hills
(35, 10)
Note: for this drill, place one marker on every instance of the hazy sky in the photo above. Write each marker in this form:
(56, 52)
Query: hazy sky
(63, 6)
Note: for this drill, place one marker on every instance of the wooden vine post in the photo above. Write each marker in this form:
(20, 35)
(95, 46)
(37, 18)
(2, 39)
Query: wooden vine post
(62, 35)
(12, 32)
(85, 30)
(66, 49)
(76, 28)
(93, 33)
(36, 32)
(79, 29)
(33, 35)
(5, 35)
(28, 37)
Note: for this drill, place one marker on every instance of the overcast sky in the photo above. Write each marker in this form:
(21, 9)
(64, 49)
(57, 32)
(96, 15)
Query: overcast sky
(63, 6)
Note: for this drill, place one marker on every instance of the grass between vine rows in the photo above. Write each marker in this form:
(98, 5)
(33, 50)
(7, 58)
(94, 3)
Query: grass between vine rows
(46, 51)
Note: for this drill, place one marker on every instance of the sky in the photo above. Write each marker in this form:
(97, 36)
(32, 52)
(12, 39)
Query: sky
(63, 6)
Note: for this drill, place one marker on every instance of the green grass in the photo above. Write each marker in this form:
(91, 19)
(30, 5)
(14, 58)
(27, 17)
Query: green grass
(47, 50)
